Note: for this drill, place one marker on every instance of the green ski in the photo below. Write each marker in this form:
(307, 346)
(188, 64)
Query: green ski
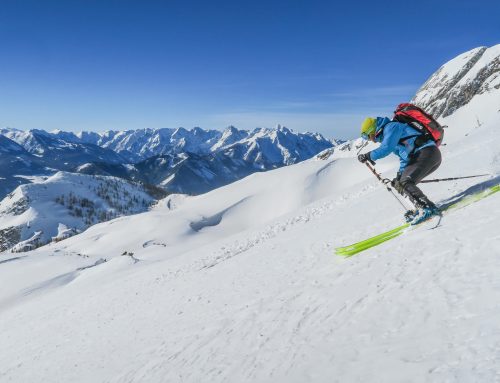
(358, 247)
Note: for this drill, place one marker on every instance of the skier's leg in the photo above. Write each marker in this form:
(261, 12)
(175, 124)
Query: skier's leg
(424, 163)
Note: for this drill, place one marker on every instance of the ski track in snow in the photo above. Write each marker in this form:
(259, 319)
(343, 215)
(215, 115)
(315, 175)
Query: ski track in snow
(291, 316)
(251, 240)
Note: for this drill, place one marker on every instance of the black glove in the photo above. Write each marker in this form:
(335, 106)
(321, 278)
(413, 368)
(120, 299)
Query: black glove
(364, 157)
(397, 185)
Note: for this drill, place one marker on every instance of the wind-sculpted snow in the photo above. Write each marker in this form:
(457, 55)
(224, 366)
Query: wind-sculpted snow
(214, 219)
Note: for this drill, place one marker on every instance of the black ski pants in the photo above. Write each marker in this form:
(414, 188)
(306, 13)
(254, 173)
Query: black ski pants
(422, 163)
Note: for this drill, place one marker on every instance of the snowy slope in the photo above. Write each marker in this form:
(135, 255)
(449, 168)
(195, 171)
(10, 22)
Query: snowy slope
(241, 284)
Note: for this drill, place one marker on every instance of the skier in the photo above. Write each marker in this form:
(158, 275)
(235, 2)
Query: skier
(419, 156)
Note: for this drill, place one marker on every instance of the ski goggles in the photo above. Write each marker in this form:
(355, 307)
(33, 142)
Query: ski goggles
(366, 136)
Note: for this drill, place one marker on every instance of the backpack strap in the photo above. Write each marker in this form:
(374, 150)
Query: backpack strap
(420, 141)
(407, 137)
(423, 139)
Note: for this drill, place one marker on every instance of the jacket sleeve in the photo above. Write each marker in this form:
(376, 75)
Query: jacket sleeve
(389, 142)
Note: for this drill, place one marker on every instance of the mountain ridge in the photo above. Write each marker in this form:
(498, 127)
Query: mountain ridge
(123, 153)
(455, 83)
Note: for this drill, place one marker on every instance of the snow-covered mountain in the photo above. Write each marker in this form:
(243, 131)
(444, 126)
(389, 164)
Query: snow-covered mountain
(63, 205)
(186, 173)
(15, 161)
(279, 146)
(236, 154)
(141, 144)
(224, 157)
(458, 81)
(210, 158)
(56, 150)
(241, 284)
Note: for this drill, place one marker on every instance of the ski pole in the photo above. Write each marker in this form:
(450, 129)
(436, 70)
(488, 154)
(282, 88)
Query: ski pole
(385, 184)
(453, 178)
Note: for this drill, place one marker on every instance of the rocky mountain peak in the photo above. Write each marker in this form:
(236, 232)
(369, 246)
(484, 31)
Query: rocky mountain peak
(459, 80)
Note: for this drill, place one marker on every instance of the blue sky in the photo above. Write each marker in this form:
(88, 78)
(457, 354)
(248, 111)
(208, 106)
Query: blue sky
(309, 65)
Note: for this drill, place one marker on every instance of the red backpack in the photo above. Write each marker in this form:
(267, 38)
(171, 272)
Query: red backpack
(418, 119)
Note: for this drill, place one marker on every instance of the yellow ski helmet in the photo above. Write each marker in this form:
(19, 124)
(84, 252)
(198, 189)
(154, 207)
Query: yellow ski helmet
(368, 126)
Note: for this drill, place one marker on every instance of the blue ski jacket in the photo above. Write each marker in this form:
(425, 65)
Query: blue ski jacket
(398, 138)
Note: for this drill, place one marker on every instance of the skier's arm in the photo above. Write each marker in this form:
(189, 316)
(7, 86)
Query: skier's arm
(389, 143)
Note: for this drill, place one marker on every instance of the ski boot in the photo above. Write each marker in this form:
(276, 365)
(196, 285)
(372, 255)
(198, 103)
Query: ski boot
(410, 215)
(424, 213)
